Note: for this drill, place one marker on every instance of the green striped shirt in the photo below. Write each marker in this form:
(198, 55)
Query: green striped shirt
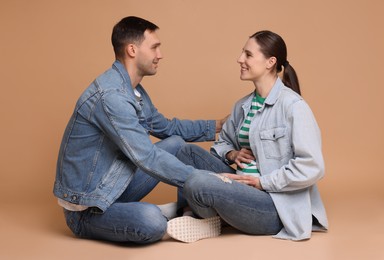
(251, 168)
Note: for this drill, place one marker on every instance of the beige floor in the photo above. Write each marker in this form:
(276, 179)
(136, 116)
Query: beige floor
(356, 232)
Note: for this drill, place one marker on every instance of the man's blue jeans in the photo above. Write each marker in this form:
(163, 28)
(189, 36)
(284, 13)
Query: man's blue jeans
(243, 207)
(127, 220)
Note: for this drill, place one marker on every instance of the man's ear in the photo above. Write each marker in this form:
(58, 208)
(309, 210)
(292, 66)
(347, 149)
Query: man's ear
(271, 62)
(130, 50)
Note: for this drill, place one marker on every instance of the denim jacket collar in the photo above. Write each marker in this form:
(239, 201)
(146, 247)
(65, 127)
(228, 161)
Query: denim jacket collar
(274, 93)
(119, 67)
(271, 98)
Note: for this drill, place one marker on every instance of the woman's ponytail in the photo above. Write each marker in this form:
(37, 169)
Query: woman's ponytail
(290, 78)
(272, 45)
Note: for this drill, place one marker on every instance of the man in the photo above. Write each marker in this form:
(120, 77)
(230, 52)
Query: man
(107, 162)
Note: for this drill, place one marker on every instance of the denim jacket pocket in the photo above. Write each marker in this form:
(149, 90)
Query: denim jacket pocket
(275, 143)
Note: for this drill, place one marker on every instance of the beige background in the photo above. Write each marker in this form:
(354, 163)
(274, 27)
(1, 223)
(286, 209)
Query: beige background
(51, 50)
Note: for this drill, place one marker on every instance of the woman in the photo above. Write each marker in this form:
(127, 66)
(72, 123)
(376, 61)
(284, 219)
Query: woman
(274, 140)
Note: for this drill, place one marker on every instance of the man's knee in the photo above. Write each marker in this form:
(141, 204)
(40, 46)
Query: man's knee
(175, 140)
(153, 230)
(191, 150)
(171, 144)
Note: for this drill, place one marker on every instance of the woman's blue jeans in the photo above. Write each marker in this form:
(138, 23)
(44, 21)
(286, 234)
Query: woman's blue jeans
(128, 219)
(241, 206)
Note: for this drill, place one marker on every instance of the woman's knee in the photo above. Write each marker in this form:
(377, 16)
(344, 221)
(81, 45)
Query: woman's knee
(196, 183)
(194, 180)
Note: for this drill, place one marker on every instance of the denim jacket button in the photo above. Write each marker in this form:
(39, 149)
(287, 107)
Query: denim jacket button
(65, 195)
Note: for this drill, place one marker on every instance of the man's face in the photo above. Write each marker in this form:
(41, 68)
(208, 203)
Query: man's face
(148, 54)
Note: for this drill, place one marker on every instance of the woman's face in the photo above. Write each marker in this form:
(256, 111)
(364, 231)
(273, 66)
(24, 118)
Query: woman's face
(253, 64)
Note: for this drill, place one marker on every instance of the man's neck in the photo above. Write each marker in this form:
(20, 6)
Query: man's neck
(132, 72)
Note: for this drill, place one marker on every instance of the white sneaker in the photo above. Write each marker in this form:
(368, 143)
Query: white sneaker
(188, 229)
(169, 210)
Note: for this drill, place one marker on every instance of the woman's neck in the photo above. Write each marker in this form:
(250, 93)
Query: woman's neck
(264, 85)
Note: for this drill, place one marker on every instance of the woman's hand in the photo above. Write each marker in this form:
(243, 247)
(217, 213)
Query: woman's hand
(246, 179)
(239, 157)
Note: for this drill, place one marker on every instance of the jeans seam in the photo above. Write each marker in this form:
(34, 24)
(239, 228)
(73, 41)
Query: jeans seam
(213, 169)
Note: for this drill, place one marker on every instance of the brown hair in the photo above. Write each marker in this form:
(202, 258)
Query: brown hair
(129, 30)
(272, 45)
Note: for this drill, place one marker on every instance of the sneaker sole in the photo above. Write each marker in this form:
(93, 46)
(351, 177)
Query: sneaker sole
(188, 229)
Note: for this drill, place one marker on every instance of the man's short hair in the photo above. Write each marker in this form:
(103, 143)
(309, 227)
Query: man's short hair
(129, 30)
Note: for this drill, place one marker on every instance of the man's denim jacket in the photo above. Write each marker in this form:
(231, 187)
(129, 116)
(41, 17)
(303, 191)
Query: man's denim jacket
(107, 138)
(286, 141)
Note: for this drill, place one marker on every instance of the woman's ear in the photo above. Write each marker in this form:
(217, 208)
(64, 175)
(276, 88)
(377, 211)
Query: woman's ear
(271, 62)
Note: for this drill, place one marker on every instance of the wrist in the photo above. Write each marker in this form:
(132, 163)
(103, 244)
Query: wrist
(229, 156)
(218, 126)
(259, 186)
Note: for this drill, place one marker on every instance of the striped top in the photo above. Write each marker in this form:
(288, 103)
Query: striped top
(251, 168)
